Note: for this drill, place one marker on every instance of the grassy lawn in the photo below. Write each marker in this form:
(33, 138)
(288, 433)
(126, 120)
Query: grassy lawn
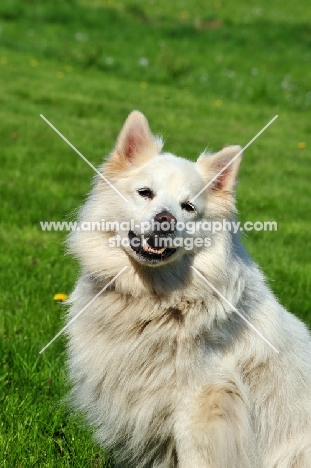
(205, 77)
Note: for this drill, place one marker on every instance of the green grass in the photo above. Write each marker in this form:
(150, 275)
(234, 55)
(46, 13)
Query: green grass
(204, 76)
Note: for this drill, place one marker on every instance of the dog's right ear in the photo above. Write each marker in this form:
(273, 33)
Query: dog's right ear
(135, 145)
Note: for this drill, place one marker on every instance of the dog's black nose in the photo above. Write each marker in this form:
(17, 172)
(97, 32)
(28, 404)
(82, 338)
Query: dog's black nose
(166, 221)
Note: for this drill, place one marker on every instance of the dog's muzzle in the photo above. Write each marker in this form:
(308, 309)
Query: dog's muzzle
(157, 245)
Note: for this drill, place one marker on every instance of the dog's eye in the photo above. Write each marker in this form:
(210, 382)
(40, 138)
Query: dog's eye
(146, 193)
(187, 206)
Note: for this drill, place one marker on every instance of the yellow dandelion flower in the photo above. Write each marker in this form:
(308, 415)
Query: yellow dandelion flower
(60, 74)
(217, 102)
(302, 145)
(185, 14)
(3, 60)
(61, 297)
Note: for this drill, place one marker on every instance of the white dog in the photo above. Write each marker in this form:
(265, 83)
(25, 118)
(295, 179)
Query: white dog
(166, 370)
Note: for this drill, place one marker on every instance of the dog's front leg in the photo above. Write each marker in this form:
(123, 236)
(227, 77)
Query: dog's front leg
(213, 429)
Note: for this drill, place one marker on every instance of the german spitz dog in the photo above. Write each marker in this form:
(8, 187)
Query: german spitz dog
(182, 356)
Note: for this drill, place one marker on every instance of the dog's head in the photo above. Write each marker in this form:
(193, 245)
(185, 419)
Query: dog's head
(155, 204)
(168, 198)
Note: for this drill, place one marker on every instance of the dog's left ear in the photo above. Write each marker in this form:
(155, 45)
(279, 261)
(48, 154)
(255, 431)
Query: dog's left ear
(220, 170)
(135, 144)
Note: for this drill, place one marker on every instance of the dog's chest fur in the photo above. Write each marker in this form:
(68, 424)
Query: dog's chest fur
(143, 355)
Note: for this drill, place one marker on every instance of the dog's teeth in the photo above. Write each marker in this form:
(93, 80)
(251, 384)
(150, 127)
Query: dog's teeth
(148, 248)
(158, 251)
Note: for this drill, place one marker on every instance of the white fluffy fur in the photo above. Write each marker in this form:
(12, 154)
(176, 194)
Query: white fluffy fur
(163, 368)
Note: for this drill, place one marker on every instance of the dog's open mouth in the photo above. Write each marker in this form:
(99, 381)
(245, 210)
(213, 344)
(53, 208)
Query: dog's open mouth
(152, 248)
